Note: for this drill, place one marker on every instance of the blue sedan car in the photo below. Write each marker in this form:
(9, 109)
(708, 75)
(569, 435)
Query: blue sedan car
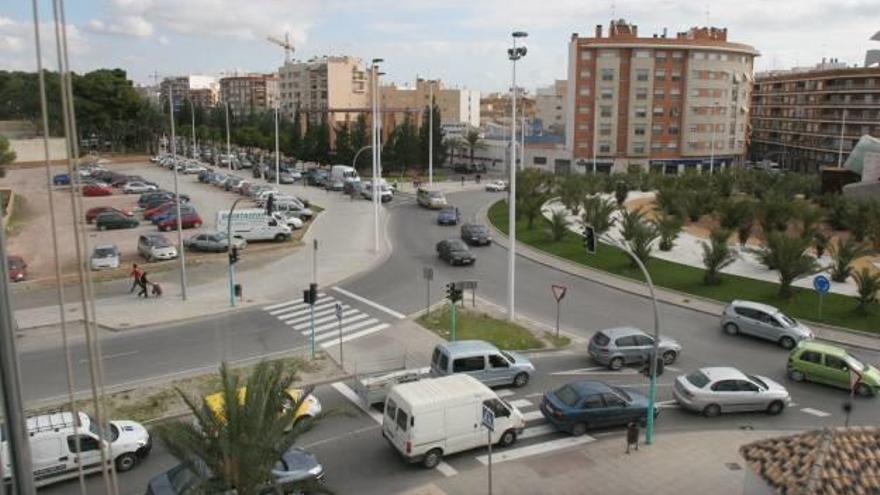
(61, 179)
(581, 405)
(448, 216)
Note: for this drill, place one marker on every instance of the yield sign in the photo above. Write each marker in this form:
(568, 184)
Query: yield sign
(558, 291)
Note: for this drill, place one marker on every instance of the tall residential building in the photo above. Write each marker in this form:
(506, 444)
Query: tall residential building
(457, 105)
(201, 90)
(550, 107)
(333, 88)
(249, 94)
(660, 102)
(808, 118)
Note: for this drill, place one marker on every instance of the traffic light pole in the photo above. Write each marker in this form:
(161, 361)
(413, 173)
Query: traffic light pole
(453, 321)
(229, 250)
(312, 324)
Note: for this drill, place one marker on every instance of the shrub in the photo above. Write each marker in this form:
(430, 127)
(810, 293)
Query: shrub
(868, 283)
(668, 227)
(630, 222)
(558, 224)
(597, 213)
(716, 256)
(844, 253)
(789, 256)
(640, 243)
(621, 191)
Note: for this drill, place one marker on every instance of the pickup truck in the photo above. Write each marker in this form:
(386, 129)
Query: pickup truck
(372, 388)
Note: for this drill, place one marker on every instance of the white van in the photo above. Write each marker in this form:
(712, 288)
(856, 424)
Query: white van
(56, 456)
(343, 173)
(253, 224)
(430, 418)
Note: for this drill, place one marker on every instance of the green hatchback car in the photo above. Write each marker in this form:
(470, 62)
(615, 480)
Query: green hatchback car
(823, 363)
(115, 220)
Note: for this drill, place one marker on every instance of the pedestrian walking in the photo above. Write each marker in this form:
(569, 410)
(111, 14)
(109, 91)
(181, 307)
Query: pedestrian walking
(135, 276)
(632, 436)
(462, 181)
(478, 178)
(143, 283)
(270, 204)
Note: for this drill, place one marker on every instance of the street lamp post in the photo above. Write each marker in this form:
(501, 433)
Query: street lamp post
(431, 133)
(712, 144)
(377, 152)
(356, 155)
(181, 252)
(840, 148)
(192, 111)
(514, 53)
(277, 152)
(228, 145)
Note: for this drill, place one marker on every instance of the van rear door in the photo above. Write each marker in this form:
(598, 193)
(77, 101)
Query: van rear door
(393, 432)
(50, 457)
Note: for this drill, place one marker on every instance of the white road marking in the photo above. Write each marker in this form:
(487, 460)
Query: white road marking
(596, 370)
(815, 412)
(349, 394)
(505, 392)
(667, 404)
(529, 416)
(376, 305)
(324, 319)
(536, 394)
(304, 309)
(335, 325)
(535, 449)
(521, 403)
(305, 315)
(327, 334)
(110, 356)
(446, 469)
(356, 335)
(537, 431)
(292, 302)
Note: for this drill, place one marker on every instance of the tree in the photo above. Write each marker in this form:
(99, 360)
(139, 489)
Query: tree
(473, 141)
(820, 243)
(237, 449)
(570, 189)
(344, 151)
(668, 227)
(630, 220)
(7, 156)
(717, 255)
(810, 216)
(558, 224)
(858, 219)
(322, 143)
(424, 135)
(669, 200)
(789, 256)
(406, 144)
(640, 242)
(732, 213)
(844, 253)
(532, 191)
(868, 283)
(597, 213)
(621, 191)
(773, 213)
(359, 139)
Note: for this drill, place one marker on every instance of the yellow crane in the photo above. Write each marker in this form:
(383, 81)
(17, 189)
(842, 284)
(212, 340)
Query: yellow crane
(285, 43)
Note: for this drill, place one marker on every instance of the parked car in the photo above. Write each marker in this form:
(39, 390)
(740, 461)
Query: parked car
(285, 177)
(483, 361)
(156, 247)
(92, 213)
(231, 183)
(96, 190)
(289, 219)
(17, 268)
(766, 322)
(218, 178)
(105, 257)
(614, 347)
(61, 179)
(136, 187)
(355, 188)
(475, 234)
(214, 242)
(240, 185)
(335, 185)
(496, 186)
(170, 210)
(831, 365)
(580, 405)
(192, 168)
(113, 220)
(448, 216)
(455, 252)
(717, 390)
(160, 209)
(189, 219)
(309, 407)
(157, 197)
(205, 176)
(295, 209)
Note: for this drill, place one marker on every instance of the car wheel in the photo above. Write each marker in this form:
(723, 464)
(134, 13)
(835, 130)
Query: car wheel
(197, 224)
(101, 227)
(279, 238)
(775, 407)
(864, 390)
(125, 462)
(731, 329)
(796, 375)
(616, 363)
(432, 458)
(507, 439)
(579, 429)
(787, 343)
(711, 410)
(669, 357)
(520, 380)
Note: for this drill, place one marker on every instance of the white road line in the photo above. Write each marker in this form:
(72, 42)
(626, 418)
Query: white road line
(327, 327)
(596, 370)
(521, 403)
(111, 356)
(505, 392)
(446, 469)
(815, 412)
(330, 334)
(667, 404)
(292, 302)
(356, 335)
(536, 394)
(376, 305)
(304, 309)
(537, 431)
(349, 394)
(535, 449)
(294, 319)
(533, 415)
(324, 319)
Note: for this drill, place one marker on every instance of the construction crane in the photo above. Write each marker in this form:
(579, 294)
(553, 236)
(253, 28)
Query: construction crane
(285, 43)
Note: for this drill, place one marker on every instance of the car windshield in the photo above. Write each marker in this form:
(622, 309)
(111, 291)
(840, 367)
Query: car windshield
(104, 252)
(698, 379)
(789, 322)
(854, 363)
(161, 242)
(508, 356)
(478, 229)
(435, 194)
(758, 381)
(567, 395)
(457, 246)
(110, 435)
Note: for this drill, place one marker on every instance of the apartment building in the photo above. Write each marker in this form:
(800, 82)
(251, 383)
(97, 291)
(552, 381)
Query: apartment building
(495, 108)
(334, 88)
(666, 103)
(808, 118)
(550, 107)
(456, 105)
(203, 91)
(249, 94)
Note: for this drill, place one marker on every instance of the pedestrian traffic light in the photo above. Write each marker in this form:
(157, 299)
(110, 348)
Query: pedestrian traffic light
(310, 295)
(233, 255)
(453, 293)
(590, 239)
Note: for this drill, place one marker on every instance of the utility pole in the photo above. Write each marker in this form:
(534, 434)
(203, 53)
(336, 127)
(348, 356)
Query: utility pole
(228, 145)
(181, 253)
(712, 144)
(515, 53)
(277, 151)
(431, 134)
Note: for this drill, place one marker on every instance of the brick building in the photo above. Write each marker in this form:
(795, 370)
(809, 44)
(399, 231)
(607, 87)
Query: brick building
(253, 93)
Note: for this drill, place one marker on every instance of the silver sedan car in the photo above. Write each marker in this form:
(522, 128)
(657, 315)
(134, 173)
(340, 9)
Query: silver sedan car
(713, 391)
(766, 322)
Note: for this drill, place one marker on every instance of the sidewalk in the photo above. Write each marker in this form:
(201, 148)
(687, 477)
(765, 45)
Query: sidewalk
(345, 248)
(840, 336)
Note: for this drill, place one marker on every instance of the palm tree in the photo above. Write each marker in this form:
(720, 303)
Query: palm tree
(238, 448)
(597, 213)
(773, 213)
(789, 256)
(716, 256)
(810, 216)
(669, 199)
(868, 283)
(820, 243)
(643, 235)
(621, 191)
(732, 213)
(474, 142)
(533, 190)
(668, 227)
(558, 224)
(453, 144)
(630, 221)
(844, 253)
(571, 190)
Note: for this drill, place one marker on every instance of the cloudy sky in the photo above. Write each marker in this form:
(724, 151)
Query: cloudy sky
(461, 41)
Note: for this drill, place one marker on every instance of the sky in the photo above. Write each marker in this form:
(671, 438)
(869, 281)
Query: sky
(462, 42)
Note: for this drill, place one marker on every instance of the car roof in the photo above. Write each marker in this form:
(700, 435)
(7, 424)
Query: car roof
(106, 246)
(589, 387)
(812, 345)
(716, 373)
(754, 305)
(616, 332)
(468, 346)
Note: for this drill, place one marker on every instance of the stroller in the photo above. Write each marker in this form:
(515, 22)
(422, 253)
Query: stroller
(157, 290)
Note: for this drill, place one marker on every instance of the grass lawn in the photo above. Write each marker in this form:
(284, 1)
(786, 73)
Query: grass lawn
(837, 309)
(475, 325)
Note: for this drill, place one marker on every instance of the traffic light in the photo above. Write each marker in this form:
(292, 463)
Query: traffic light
(233, 255)
(310, 295)
(453, 293)
(590, 239)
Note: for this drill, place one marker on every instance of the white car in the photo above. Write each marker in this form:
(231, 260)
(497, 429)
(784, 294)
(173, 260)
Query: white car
(105, 257)
(136, 187)
(191, 168)
(717, 390)
(263, 195)
(289, 219)
(496, 186)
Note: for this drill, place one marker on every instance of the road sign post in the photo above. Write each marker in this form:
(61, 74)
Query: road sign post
(489, 423)
(428, 275)
(339, 320)
(472, 285)
(822, 286)
(559, 295)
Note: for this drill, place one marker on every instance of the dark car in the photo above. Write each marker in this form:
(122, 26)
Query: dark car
(155, 198)
(448, 216)
(93, 213)
(171, 211)
(205, 176)
(190, 219)
(455, 252)
(61, 179)
(113, 220)
(580, 405)
(17, 268)
(97, 190)
(475, 234)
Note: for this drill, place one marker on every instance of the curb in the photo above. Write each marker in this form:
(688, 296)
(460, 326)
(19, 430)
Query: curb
(528, 252)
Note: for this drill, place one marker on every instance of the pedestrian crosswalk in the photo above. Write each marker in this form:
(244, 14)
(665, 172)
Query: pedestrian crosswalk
(328, 330)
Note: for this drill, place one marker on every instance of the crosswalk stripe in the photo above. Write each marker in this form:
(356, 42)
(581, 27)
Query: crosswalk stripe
(506, 392)
(334, 332)
(356, 335)
(274, 309)
(531, 415)
(333, 325)
(303, 308)
(537, 431)
(300, 326)
(304, 316)
(374, 304)
(446, 469)
(815, 412)
(535, 449)
(281, 305)
(521, 403)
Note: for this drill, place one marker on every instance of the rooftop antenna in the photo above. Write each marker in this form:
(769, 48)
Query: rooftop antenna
(285, 43)
(613, 9)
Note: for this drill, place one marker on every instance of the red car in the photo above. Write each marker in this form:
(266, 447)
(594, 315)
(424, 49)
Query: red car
(149, 213)
(188, 220)
(92, 213)
(17, 268)
(97, 190)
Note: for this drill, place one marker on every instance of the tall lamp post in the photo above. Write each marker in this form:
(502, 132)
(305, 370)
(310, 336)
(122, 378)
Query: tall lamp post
(192, 111)
(181, 252)
(514, 53)
(377, 140)
(431, 132)
(277, 151)
(228, 145)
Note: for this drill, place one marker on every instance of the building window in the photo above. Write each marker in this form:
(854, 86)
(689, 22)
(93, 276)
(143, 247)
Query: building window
(641, 112)
(586, 54)
(677, 54)
(607, 53)
(583, 126)
(639, 147)
(698, 56)
(604, 147)
(584, 91)
(582, 145)
(605, 111)
(673, 130)
(660, 54)
(658, 111)
(607, 93)
(607, 74)
(672, 145)
(540, 160)
(660, 74)
(712, 56)
(659, 94)
(675, 93)
(655, 146)
(642, 54)
(583, 109)
(693, 128)
(695, 145)
(676, 75)
(605, 129)
(586, 73)
(723, 57)
(657, 129)
(641, 94)
(639, 130)
(641, 74)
